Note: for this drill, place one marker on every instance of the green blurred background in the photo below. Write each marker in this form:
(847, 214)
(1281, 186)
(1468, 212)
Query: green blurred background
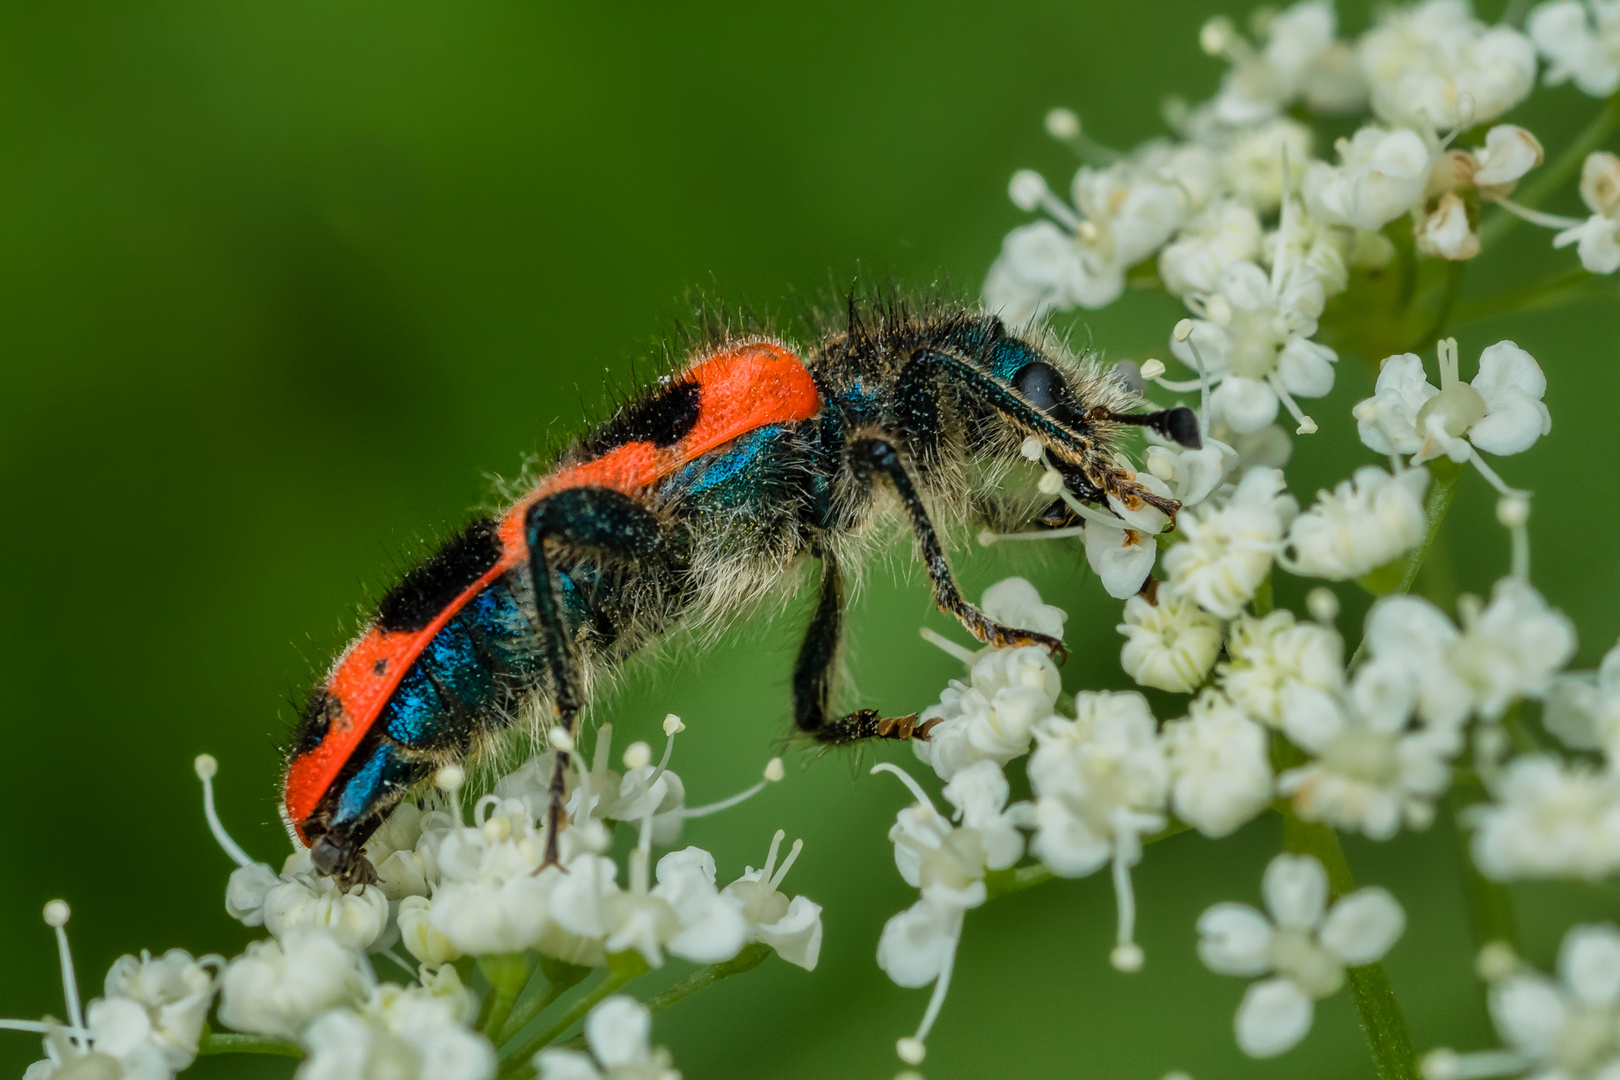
(283, 284)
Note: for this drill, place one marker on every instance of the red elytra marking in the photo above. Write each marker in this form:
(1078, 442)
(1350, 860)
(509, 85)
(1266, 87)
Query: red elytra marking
(741, 389)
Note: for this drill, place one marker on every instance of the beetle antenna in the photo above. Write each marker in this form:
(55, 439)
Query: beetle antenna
(1179, 425)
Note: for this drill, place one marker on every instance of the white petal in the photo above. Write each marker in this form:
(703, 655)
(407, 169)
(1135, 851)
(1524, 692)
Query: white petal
(1306, 368)
(1528, 1013)
(565, 1065)
(1362, 926)
(1122, 558)
(1589, 961)
(1247, 404)
(1295, 888)
(796, 937)
(618, 1030)
(915, 942)
(1232, 940)
(1274, 1017)
(1509, 152)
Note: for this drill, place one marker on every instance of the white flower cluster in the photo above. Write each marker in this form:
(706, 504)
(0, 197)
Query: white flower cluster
(1563, 1027)
(447, 888)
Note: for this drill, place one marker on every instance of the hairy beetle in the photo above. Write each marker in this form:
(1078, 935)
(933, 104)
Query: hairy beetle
(696, 498)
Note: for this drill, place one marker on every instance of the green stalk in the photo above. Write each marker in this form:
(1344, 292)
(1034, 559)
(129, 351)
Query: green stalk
(560, 978)
(518, 1065)
(1549, 179)
(1382, 1021)
(225, 1043)
(1573, 286)
(508, 974)
(705, 977)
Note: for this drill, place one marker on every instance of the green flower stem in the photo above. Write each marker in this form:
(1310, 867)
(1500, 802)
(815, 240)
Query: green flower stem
(225, 1043)
(1551, 177)
(1381, 1019)
(1573, 286)
(1490, 905)
(560, 978)
(705, 977)
(508, 974)
(518, 1066)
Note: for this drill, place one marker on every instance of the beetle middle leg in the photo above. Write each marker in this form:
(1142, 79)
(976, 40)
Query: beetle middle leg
(871, 458)
(816, 668)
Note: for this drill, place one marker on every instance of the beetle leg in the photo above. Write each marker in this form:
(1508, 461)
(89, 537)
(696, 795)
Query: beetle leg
(816, 667)
(595, 519)
(871, 458)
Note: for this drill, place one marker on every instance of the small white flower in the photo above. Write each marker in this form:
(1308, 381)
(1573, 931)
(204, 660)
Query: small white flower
(1581, 43)
(1267, 656)
(947, 864)
(1170, 645)
(1194, 475)
(1445, 233)
(1253, 343)
(305, 900)
(791, 927)
(121, 1047)
(979, 793)
(279, 985)
(684, 913)
(1366, 522)
(1509, 152)
(1511, 648)
(245, 892)
(1228, 550)
(992, 716)
(416, 933)
(401, 1033)
(1598, 236)
(1433, 65)
(917, 944)
(488, 898)
(1554, 1029)
(1014, 602)
(1099, 780)
(1101, 783)
(1500, 412)
(1583, 709)
(1251, 160)
(1381, 175)
(1227, 232)
(1305, 946)
(1549, 820)
(1372, 771)
(618, 1032)
(1121, 215)
(1220, 766)
(1299, 45)
(176, 992)
(1121, 555)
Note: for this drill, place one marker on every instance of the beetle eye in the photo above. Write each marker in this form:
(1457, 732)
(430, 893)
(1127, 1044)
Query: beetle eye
(1040, 384)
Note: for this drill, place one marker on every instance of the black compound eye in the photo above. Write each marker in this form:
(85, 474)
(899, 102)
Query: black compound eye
(1039, 383)
(1042, 386)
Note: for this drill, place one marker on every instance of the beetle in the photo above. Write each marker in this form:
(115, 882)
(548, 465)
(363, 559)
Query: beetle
(698, 497)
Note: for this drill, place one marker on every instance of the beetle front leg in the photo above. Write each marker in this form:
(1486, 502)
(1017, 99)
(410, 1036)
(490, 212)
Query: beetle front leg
(874, 457)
